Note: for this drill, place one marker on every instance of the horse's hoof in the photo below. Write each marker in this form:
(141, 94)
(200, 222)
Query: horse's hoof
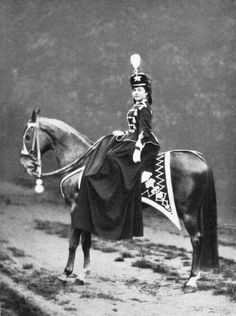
(189, 289)
(63, 277)
(79, 282)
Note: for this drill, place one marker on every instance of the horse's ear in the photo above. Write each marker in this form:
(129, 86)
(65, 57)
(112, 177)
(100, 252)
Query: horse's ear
(38, 111)
(33, 116)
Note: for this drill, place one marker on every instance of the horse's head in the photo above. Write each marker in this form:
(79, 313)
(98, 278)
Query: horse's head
(42, 134)
(35, 143)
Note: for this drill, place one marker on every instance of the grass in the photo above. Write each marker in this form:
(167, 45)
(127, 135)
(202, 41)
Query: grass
(106, 296)
(5, 200)
(42, 282)
(155, 267)
(227, 243)
(27, 266)
(13, 305)
(186, 263)
(17, 252)
(143, 264)
(127, 254)
(124, 255)
(146, 247)
(231, 291)
(160, 269)
(219, 287)
(70, 309)
(150, 288)
(227, 236)
(104, 246)
(100, 295)
(119, 259)
(4, 256)
(53, 228)
(223, 281)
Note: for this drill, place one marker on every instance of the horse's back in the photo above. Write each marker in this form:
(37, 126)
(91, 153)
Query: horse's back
(188, 162)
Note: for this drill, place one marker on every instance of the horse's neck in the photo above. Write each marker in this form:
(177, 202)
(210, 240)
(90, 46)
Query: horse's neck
(68, 144)
(69, 149)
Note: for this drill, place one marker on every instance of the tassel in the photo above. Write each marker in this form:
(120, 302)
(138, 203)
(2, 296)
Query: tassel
(39, 188)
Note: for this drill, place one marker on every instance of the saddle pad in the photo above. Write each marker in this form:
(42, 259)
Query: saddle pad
(157, 188)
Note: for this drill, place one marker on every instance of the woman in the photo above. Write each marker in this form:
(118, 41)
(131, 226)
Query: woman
(109, 202)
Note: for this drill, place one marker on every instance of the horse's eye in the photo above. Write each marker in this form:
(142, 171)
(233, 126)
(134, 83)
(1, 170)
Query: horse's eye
(27, 138)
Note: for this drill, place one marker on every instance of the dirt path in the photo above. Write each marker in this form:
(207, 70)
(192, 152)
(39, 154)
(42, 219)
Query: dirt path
(139, 277)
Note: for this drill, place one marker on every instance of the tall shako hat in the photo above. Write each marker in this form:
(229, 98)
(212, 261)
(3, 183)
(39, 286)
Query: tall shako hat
(138, 79)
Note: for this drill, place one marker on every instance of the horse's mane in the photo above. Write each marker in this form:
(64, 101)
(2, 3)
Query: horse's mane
(66, 128)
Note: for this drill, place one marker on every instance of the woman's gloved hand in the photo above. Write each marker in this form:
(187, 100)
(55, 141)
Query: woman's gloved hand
(137, 155)
(118, 133)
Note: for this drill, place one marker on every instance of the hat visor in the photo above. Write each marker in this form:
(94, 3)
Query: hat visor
(138, 84)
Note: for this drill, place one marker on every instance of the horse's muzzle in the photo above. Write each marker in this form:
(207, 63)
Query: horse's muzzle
(28, 163)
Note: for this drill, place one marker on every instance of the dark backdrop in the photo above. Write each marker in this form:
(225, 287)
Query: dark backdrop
(71, 59)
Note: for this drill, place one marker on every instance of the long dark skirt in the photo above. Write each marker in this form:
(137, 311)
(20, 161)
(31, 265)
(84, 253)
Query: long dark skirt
(109, 202)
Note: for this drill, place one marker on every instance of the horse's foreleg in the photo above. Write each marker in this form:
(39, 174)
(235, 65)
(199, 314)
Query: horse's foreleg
(86, 244)
(73, 244)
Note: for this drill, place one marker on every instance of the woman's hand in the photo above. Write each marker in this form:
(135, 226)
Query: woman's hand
(137, 155)
(118, 133)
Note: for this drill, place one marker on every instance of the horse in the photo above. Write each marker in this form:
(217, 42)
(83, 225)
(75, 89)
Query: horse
(192, 181)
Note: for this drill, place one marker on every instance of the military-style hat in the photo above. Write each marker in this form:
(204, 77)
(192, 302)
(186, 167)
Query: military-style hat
(138, 79)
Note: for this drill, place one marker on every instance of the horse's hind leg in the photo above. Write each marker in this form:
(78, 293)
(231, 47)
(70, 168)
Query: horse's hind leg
(86, 245)
(73, 244)
(192, 226)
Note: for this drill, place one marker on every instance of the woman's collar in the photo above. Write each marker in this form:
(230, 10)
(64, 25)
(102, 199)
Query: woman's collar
(141, 103)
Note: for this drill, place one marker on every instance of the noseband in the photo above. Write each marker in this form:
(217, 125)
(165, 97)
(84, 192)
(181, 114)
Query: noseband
(34, 153)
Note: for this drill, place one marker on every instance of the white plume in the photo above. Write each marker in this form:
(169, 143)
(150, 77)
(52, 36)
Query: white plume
(135, 60)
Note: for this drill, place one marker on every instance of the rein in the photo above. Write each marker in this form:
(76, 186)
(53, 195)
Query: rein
(68, 167)
(77, 162)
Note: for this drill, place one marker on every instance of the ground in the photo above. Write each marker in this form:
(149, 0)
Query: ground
(142, 277)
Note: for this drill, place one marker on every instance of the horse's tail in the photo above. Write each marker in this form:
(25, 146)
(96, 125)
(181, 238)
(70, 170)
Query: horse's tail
(209, 249)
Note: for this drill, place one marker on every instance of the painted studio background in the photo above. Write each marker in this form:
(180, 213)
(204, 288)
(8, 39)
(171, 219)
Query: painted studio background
(71, 60)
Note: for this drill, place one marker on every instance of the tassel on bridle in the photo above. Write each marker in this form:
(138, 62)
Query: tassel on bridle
(39, 188)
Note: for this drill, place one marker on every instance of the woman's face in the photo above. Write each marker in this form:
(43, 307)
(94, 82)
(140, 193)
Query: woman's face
(139, 93)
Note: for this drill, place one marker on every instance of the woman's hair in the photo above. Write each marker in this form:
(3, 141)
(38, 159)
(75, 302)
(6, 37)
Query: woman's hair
(148, 90)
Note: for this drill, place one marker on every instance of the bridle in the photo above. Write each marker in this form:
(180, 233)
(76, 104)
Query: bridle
(35, 154)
